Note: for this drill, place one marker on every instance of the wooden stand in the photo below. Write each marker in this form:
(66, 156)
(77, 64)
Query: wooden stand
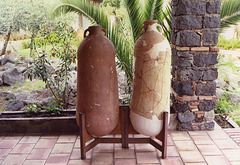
(124, 128)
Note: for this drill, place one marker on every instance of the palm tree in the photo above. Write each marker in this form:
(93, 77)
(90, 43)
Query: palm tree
(137, 12)
(230, 13)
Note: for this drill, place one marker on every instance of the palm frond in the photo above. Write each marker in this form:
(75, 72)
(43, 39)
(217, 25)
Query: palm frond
(165, 21)
(230, 13)
(136, 16)
(149, 9)
(158, 9)
(124, 50)
(83, 7)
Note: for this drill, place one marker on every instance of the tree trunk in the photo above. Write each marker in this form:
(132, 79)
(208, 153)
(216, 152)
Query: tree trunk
(6, 41)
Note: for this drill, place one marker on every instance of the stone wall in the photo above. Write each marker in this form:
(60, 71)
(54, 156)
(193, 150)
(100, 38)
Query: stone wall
(195, 34)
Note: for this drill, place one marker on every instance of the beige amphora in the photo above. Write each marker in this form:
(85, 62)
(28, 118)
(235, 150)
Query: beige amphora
(151, 87)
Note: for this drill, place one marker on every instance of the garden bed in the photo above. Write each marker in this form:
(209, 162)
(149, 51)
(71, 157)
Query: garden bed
(224, 122)
(44, 122)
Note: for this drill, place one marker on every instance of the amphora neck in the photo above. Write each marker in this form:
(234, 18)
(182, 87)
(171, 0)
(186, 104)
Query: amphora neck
(94, 30)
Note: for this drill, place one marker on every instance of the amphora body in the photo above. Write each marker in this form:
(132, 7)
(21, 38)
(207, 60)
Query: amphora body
(97, 86)
(151, 87)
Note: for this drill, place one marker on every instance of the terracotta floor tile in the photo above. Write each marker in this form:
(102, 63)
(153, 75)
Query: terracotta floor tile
(108, 136)
(79, 162)
(103, 148)
(53, 136)
(77, 143)
(148, 164)
(140, 136)
(62, 148)
(14, 159)
(117, 136)
(209, 150)
(234, 134)
(8, 144)
(195, 164)
(191, 156)
(124, 153)
(171, 161)
(185, 145)
(130, 146)
(226, 144)
(144, 147)
(100, 158)
(171, 152)
(232, 130)
(76, 154)
(57, 159)
(4, 153)
(34, 162)
(180, 136)
(29, 139)
(90, 141)
(170, 141)
(218, 134)
(147, 157)
(13, 137)
(46, 143)
(2, 137)
(66, 150)
(66, 138)
(232, 155)
(23, 148)
(216, 160)
(202, 140)
(39, 154)
(125, 162)
(197, 133)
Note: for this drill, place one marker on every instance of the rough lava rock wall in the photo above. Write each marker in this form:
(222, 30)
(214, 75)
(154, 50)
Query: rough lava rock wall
(195, 31)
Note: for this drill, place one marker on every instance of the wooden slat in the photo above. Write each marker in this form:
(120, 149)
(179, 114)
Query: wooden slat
(124, 131)
(92, 144)
(110, 140)
(124, 127)
(82, 135)
(165, 134)
(139, 140)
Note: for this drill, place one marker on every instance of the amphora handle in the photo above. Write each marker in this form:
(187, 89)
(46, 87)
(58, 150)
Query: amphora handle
(88, 30)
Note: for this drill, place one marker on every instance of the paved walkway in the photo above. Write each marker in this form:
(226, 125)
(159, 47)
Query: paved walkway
(189, 148)
(234, 134)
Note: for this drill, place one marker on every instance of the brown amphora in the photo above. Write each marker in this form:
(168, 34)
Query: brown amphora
(151, 87)
(97, 86)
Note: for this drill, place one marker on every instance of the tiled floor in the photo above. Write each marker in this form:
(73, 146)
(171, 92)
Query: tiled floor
(191, 148)
(234, 134)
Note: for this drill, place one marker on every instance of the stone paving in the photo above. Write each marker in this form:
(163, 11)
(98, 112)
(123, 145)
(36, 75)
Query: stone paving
(190, 148)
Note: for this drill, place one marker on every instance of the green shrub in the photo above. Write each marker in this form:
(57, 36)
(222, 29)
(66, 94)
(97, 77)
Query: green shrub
(228, 44)
(224, 105)
(59, 37)
(32, 109)
(25, 44)
(226, 108)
